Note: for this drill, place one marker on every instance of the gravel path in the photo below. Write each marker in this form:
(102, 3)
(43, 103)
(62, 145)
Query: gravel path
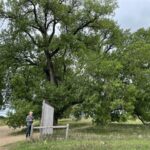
(8, 136)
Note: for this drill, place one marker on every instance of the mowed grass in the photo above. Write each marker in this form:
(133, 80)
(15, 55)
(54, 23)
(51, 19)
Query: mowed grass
(85, 136)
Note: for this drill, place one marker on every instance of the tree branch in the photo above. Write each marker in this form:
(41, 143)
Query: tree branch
(36, 17)
(31, 62)
(54, 52)
(109, 47)
(71, 104)
(45, 18)
(53, 32)
(31, 37)
(27, 60)
(48, 24)
(82, 26)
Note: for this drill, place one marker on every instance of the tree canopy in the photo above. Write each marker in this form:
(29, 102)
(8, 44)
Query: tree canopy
(74, 55)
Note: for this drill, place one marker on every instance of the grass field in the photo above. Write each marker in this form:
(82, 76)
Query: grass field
(85, 136)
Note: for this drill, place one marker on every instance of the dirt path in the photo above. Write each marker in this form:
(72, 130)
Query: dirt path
(8, 136)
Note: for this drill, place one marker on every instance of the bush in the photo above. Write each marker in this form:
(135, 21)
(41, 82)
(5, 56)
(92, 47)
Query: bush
(22, 108)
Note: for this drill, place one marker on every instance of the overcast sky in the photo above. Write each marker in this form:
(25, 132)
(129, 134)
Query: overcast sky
(133, 14)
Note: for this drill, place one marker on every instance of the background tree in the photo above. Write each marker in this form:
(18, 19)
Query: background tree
(119, 80)
(136, 63)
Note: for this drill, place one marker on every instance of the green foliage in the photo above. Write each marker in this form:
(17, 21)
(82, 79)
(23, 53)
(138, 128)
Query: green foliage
(136, 60)
(44, 44)
(72, 54)
(22, 108)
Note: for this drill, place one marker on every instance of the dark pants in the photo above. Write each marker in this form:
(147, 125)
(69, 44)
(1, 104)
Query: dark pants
(28, 131)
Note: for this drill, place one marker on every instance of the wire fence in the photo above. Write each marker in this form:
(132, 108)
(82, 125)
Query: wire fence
(58, 132)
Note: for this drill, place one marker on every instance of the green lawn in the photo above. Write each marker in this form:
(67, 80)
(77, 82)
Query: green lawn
(91, 144)
(85, 136)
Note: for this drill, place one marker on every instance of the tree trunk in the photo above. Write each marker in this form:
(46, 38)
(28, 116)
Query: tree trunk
(142, 120)
(50, 69)
(55, 120)
(51, 77)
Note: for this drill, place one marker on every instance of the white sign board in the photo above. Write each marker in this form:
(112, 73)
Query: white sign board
(47, 118)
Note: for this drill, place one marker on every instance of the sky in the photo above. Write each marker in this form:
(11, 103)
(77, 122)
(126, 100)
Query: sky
(133, 14)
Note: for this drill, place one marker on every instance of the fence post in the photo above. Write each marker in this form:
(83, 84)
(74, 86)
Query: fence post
(31, 132)
(67, 131)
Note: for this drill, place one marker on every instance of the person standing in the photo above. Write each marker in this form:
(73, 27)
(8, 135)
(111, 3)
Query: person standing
(29, 121)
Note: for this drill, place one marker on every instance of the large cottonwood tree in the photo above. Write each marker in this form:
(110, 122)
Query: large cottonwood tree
(43, 43)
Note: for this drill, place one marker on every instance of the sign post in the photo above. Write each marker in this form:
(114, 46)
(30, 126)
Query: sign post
(47, 119)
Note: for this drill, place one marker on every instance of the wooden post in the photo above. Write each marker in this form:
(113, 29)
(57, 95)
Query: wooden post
(31, 132)
(67, 131)
(47, 119)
